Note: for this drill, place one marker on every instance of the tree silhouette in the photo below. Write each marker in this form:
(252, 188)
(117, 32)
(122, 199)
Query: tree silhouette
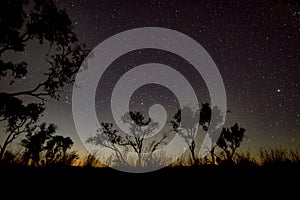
(22, 22)
(205, 116)
(20, 118)
(56, 150)
(108, 137)
(42, 143)
(34, 143)
(230, 140)
(140, 129)
(190, 126)
(187, 129)
(215, 125)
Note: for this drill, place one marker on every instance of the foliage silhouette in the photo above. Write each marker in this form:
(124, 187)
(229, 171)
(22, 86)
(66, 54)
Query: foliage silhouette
(216, 126)
(35, 143)
(57, 151)
(140, 128)
(44, 147)
(187, 129)
(19, 118)
(205, 116)
(107, 137)
(22, 22)
(228, 140)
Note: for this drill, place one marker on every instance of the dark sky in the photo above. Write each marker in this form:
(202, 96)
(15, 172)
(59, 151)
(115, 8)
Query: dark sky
(254, 44)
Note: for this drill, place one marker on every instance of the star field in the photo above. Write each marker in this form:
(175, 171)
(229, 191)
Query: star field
(255, 45)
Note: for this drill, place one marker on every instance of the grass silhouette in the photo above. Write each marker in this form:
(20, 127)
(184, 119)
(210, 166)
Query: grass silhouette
(270, 172)
(268, 160)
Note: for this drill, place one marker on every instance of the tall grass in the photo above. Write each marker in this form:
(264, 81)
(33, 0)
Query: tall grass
(90, 161)
(278, 156)
(264, 156)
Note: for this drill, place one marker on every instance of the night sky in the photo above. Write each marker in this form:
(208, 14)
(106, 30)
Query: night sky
(254, 44)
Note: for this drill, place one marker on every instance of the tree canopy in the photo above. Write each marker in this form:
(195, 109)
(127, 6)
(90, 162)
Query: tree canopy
(22, 22)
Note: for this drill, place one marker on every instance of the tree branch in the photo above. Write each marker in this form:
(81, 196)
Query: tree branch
(32, 92)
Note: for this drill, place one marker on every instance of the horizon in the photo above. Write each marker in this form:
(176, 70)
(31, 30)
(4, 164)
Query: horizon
(254, 45)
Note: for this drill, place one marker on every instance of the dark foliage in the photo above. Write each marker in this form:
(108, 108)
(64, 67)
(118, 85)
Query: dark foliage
(22, 22)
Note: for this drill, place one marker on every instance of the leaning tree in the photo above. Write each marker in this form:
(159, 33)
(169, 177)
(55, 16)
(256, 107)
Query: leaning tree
(23, 22)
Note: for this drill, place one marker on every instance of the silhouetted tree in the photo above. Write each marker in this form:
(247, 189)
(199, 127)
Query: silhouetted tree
(34, 143)
(205, 116)
(140, 128)
(22, 22)
(230, 140)
(19, 118)
(108, 137)
(43, 144)
(56, 150)
(188, 128)
(216, 126)
(227, 139)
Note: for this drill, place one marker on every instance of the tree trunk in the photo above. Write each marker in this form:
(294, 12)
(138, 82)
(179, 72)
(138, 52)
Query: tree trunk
(2, 149)
(139, 161)
(212, 153)
(192, 149)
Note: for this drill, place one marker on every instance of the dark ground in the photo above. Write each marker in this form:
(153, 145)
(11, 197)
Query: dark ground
(281, 180)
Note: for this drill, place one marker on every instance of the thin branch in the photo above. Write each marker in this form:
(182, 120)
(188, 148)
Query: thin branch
(27, 92)
(32, 93)
(155, 147)
(131, 144)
